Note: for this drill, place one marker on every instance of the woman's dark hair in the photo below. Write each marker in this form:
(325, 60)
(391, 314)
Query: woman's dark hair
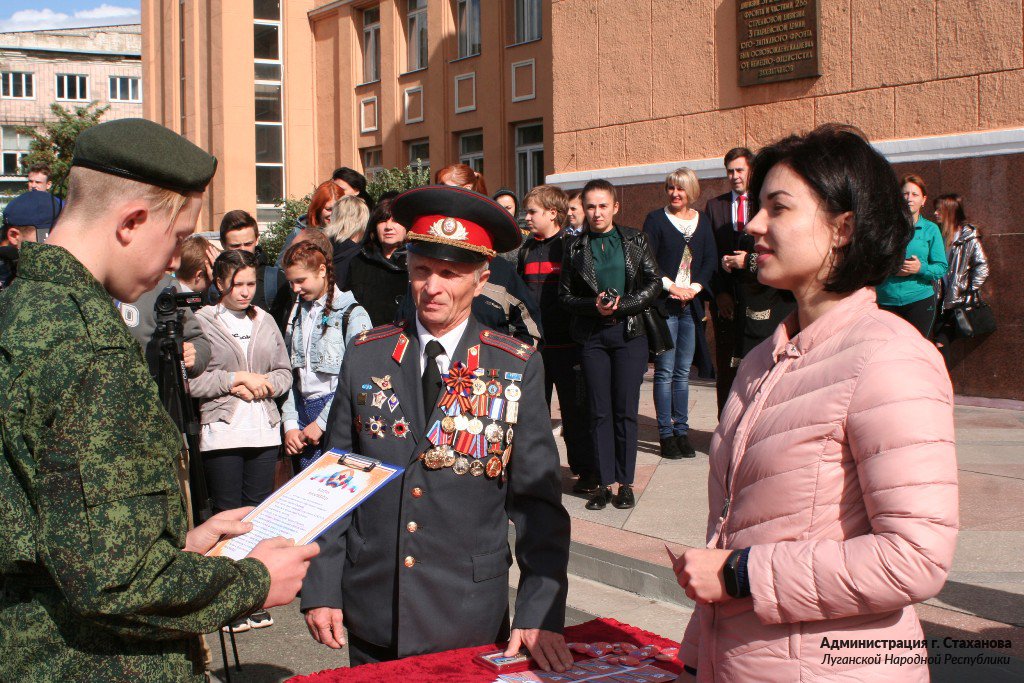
(599, 185)
(505, 192)
(310, 256)
(355, 180)
(951, 215)
(227, 266)
(847, 174)
(236, 220)
(380, 214)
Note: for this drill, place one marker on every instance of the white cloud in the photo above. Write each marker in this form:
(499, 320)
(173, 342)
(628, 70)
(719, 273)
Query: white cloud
(36, 19)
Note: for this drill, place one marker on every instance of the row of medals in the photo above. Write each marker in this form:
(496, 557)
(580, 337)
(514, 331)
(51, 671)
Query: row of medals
(444, 455)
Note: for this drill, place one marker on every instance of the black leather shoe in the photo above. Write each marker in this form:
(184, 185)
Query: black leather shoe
(599, 500)
(670, 448)
(624, 499)
(585, 484)
(684, 447)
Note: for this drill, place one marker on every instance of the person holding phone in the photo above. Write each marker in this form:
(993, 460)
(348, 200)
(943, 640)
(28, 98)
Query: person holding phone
(608, 278)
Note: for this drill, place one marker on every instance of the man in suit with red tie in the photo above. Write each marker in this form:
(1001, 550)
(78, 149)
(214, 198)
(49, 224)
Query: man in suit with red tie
(745, 311)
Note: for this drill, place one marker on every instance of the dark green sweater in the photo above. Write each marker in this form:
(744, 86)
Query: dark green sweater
(609, 261)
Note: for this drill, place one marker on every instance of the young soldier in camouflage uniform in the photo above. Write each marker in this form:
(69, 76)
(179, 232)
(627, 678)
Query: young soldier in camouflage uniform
(99, 580)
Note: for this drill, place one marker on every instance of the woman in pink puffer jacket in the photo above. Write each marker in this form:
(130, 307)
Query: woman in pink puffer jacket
(833, 484)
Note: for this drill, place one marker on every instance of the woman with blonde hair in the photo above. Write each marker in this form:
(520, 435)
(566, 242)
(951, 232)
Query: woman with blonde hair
(348, 221)
(684, 247)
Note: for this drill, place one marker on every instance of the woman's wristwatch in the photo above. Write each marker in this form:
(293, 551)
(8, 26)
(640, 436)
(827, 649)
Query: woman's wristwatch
(734, 573)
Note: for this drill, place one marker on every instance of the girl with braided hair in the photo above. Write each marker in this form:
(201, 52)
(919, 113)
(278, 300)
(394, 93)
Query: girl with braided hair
(320, 327)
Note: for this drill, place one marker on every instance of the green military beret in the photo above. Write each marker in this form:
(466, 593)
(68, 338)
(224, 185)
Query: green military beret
(141, 150)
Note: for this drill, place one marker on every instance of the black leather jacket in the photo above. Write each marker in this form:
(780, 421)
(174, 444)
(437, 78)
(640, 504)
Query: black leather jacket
(578, 287)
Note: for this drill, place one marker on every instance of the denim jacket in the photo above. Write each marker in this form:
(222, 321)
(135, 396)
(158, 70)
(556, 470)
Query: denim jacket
(326, 348)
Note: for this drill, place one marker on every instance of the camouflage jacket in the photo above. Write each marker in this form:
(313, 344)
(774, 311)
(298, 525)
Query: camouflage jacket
(94, 584)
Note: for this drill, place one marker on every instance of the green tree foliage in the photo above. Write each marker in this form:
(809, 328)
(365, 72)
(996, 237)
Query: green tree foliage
(272, 237)
(397, 179)
(54, 143)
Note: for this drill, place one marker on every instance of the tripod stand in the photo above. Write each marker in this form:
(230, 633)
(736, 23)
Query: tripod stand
(172, 384)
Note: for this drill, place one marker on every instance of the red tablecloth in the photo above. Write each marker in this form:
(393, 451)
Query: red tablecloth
(456, 666)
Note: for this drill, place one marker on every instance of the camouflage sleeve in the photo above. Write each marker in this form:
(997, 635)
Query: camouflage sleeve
(111, 520)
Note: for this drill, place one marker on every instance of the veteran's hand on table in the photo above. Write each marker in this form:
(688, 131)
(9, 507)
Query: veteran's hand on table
(294, 441)
(547, 648)
(287, 564)
(227, 524)
(326, 625)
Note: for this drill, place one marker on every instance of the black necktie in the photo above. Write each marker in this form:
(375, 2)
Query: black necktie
(431, 376)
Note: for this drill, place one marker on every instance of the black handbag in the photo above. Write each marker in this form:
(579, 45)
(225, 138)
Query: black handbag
(974, 317)
(659, 339)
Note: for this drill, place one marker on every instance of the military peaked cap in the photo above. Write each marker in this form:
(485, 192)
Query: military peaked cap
(141, 150)
(455, 224)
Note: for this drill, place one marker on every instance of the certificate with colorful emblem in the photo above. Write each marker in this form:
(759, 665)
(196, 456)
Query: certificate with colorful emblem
(303, 509)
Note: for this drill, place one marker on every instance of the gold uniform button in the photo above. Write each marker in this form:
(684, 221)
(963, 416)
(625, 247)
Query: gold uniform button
(417, 492)
(411, 527)
(410, 561)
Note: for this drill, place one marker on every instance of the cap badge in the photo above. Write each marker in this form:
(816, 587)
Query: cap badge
(449, 228)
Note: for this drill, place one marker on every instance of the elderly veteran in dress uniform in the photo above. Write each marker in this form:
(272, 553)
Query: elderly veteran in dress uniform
(99, 578)
(422, 566)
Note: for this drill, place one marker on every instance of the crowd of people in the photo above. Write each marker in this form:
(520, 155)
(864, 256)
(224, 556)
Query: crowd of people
(797, 278)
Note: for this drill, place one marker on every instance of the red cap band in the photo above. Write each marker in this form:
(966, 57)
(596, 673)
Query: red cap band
(457, 232)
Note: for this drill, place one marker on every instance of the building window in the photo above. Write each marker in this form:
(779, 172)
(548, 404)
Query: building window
(269, 112)
(468, 17)
(419, 154)
(414, 104)
(527, 20)
(471, 151)
(14, 146)
(416, 25)
(125, 89)
(17, 85)
(73, 87)
(371, 45)
(529, 157)
(373, 161)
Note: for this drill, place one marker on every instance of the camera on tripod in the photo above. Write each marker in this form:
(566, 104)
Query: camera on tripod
(172, 384)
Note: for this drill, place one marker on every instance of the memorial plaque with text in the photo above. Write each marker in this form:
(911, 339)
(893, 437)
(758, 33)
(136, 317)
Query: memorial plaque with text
(777, 40)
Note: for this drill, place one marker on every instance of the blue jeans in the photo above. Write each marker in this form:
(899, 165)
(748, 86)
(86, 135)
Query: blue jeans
(672, 376)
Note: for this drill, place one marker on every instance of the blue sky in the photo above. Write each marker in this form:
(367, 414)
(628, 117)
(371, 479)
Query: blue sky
(22, 15)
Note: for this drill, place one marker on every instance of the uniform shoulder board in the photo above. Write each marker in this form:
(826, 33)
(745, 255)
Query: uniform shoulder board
(507, 344)
(381, 332)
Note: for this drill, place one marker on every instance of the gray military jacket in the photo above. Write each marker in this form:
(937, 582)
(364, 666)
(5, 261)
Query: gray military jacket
(422, 566)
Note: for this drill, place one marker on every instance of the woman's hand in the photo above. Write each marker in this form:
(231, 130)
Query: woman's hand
(910, 266)
(609, 309)
(699, 572)
(312, 432)
(257, 384)
(294, 441)
(683, 294)
(241, 392)
(227, 524)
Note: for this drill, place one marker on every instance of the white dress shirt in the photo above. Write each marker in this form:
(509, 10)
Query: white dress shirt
(736, 208)
(449, 340)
